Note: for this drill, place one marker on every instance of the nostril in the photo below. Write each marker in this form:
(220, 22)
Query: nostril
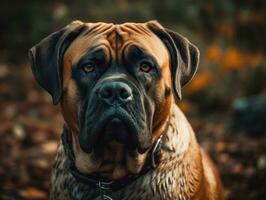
(106, 93)
(124, 93)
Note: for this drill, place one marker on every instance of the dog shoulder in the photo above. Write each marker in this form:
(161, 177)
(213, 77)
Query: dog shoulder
(212, 179)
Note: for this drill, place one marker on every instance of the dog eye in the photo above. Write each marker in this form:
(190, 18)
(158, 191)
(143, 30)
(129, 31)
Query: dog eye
(88, 68)
(145, 66)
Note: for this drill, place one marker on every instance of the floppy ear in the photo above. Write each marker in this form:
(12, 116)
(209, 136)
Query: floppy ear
(184, 56)
(46, 58)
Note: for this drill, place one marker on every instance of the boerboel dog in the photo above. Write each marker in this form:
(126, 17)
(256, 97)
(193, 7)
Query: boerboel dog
(124, 136)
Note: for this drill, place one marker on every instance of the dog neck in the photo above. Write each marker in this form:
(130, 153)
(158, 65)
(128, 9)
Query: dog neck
(102, 183)
(174, 151)
(178, 135)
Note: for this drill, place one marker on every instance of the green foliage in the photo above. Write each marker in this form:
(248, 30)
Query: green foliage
(23, 24)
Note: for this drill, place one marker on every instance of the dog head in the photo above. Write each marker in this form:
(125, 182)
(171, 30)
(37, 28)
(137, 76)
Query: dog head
(115, 84)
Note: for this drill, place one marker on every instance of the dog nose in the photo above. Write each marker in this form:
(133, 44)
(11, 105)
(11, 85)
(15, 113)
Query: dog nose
(115, 92)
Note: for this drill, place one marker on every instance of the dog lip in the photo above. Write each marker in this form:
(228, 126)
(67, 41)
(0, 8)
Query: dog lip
(115, 129)
(116, 114)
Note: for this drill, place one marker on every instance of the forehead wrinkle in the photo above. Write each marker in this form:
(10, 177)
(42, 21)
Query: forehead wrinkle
(83, 45)
(140, 34)
(93, 51)
(101, 28)
(138, 28)
(150, 45)
(116, 37)
(94, 36)
(133, 28)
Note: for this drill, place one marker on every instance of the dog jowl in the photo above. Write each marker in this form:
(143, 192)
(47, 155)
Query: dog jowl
(117, 85)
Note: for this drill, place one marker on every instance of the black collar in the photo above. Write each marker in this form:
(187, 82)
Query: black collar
(104, 185)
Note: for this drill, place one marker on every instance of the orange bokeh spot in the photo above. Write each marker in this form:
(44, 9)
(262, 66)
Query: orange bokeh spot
(200, 82)
(213, 53)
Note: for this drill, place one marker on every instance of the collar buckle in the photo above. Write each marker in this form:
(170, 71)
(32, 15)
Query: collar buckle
(155, 149)
(103, 188)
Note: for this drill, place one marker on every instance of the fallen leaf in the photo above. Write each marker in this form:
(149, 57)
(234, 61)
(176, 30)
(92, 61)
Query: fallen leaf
(33, 193)
(49, 148)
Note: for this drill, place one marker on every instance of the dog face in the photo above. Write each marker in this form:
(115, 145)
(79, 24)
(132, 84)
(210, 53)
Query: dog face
(115, 86)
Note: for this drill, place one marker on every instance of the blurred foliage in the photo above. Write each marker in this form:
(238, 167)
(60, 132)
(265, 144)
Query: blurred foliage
(231, 37)
(240, 22)
(230, 34)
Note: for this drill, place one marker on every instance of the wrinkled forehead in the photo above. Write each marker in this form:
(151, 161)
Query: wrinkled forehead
(115, 39)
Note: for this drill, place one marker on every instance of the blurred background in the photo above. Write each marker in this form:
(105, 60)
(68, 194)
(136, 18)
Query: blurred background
(225, 102)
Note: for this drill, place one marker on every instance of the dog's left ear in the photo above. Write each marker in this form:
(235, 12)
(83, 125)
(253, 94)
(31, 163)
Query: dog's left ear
(46, 58)
(184, 56)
